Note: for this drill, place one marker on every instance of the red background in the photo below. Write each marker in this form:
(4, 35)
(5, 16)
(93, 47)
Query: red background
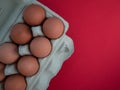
(95, 29)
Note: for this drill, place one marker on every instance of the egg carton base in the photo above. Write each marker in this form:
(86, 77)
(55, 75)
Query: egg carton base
(50, 66)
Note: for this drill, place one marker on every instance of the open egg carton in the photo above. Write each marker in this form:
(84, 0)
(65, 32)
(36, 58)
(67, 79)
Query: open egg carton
(11, 13)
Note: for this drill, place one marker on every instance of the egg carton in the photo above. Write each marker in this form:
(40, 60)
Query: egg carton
(11, 12)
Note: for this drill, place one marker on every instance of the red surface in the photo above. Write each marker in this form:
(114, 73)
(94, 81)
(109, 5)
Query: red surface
(95, 29)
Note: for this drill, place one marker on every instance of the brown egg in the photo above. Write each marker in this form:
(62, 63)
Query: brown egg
(21, 34)
(53, 28)
(40, 47)
(15, 82)
(2, 66)
(8, 53)
(2, 75)
(34, 15)
(28, 65)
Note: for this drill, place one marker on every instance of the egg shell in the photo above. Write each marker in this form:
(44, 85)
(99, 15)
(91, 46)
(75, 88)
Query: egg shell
(34, 14)
(2, 66)
(2, 75)
(15, 82)
(40, 47)
(53, 28)
(21, 33)
(28, 65)
(8, 53)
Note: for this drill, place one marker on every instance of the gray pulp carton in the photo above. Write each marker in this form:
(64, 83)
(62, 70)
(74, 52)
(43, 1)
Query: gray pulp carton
(11, 12)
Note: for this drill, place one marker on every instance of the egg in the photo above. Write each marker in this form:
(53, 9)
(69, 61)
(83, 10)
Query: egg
(2, 75)
(40, 47)
(34, 14)
(21, 33)
(8, 53)
(28, 65)
(15, 82)
(53, 28)
(2, 66)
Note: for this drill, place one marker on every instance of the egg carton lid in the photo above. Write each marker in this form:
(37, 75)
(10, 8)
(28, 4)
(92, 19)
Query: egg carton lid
(10, 13)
